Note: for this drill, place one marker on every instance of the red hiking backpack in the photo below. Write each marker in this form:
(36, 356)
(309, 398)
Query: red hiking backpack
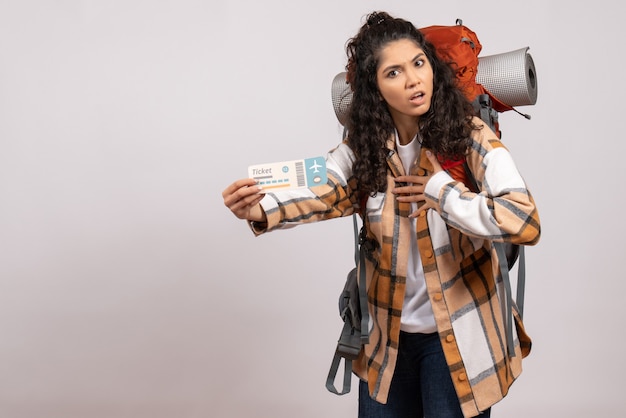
(459, 46)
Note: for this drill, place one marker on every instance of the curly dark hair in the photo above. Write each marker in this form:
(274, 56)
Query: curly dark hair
(445, 128)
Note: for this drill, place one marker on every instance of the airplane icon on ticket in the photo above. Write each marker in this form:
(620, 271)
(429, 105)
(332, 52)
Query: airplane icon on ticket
(315, 167)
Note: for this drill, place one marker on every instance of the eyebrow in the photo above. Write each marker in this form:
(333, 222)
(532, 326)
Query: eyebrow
(395, 66)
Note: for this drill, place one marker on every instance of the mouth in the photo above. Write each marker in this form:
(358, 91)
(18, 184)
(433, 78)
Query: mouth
(417, 97)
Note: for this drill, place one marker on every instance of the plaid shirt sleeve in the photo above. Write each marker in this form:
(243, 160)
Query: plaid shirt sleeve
(288, 208)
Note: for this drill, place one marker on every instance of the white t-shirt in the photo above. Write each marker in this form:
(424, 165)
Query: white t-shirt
(417, 313)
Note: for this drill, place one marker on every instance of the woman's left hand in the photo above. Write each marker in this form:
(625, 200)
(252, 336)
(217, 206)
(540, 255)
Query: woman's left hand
(412, 189)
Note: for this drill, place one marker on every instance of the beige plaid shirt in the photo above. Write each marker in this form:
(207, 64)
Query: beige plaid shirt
(460, 265)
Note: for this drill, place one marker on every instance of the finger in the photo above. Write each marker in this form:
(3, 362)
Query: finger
(232, 188)
(240, 193)
(404, 179)
(404, 184)
(250, 210)
(412, 198)
(243, 198)
(415, 189)
(421, 209)
(256, 199)
(404, 190)
(241, 203)
(417, 181)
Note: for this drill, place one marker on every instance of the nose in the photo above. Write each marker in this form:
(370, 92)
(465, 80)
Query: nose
(412, 77)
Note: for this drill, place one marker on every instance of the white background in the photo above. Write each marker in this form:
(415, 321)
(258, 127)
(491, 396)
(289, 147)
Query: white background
(128, 290)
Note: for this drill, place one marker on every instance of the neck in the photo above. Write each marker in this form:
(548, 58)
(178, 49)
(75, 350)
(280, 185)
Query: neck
(406, 133)
(407, 128)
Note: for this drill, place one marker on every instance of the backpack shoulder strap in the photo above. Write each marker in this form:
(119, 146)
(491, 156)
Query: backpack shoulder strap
(334, 367)
(346, 341)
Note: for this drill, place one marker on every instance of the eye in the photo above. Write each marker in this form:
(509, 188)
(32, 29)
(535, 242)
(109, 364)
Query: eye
(393, 74)
(419, 62)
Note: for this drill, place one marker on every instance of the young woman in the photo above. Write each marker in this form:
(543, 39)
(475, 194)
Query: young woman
(438, 345)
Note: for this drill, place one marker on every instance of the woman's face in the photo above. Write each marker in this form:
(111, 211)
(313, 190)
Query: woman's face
(405, 79)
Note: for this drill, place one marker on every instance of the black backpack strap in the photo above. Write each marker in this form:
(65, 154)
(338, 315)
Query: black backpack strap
(350, 344)
(521, 281)
(364, 310)
(486, 112)
(334, 367)
(508, 301)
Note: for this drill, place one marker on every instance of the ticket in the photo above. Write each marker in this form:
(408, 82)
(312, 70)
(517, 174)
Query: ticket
(293, 174)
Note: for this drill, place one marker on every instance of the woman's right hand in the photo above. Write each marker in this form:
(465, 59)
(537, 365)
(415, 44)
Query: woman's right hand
(242, 198)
